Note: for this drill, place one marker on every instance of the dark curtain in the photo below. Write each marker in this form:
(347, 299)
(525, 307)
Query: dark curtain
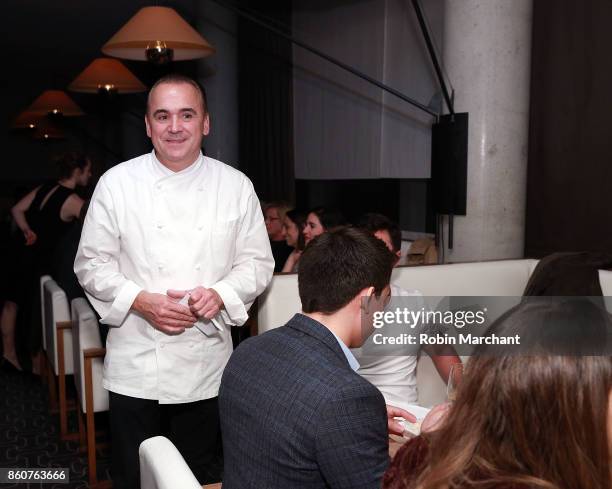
(569, 184)
(265, 102)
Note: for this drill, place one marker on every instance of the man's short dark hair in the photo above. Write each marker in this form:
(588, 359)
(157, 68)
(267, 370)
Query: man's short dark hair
(177, 78)
(373, 222)
(338, 264)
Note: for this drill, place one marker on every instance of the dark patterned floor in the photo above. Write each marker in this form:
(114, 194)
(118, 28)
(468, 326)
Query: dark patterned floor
(29, 435)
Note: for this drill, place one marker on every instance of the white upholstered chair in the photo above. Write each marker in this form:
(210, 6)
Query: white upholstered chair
(59, 345)
(88, 361)
(43, 362)
(163, 467)
(43, 280)
(508, 278)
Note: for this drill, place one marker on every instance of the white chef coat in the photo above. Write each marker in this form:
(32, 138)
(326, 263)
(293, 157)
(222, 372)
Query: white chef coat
(149, 228)
(395, 376)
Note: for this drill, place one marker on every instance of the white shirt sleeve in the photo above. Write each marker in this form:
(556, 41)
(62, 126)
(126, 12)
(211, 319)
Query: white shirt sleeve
(97, 261)
(253, 264)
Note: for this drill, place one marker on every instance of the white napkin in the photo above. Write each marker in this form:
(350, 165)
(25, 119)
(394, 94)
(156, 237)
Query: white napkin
(206, 326)
(420, 413)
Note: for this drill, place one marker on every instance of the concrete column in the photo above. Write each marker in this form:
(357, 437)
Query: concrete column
(487, 52)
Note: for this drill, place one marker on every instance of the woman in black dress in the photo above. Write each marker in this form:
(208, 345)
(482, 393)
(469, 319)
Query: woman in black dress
(43, 216)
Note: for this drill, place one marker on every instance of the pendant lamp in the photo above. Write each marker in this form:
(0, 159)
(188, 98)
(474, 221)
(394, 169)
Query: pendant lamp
(55, 102)
(159, 35)
(106, 75)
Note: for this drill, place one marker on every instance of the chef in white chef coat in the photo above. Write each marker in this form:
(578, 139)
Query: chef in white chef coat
(170, 238)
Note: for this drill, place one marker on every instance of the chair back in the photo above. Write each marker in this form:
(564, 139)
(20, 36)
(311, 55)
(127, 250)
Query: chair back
(86, 335)
(56, 310)
(43, 279)
(163, 467)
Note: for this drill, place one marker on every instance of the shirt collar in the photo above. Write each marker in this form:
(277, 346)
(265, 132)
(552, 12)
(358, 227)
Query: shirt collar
(354, 364)
(166, 172)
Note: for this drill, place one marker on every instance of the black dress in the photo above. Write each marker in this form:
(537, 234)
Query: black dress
(30, 262)
(280, 251)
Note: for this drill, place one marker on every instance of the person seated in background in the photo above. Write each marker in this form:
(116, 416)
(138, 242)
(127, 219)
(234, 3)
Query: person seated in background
(320, 220)
(523, 421)
(293, 231)
(274, 216)
(294, 412)
(395, 376)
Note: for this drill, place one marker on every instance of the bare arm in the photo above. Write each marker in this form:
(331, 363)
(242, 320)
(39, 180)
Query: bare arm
(18, 212)
(293, 258)
(443, 357)
(71, 208)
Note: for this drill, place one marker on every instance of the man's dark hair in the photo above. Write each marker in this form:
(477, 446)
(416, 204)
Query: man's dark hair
(177, 78)
(373, 222)
(337, 265)
(330, 218)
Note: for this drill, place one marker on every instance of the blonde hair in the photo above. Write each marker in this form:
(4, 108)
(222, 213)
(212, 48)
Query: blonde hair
(281, 206)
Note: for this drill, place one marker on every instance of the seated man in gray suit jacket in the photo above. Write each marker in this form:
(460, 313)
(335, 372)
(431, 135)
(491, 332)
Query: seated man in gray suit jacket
(294, 412)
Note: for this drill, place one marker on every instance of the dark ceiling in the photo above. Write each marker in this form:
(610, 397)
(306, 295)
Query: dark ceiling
(50, 42)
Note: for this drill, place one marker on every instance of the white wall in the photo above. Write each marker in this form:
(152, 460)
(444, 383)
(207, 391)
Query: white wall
(345, 127)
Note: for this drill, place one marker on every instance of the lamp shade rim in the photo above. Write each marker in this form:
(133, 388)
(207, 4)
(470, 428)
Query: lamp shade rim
(138, 53)
(96, 88)
(135, 50)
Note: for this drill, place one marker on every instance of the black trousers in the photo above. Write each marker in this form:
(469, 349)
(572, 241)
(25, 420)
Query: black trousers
(192, 427)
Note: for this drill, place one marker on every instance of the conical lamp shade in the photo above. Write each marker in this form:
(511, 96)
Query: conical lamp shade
(55, 102)
(47, 131)
(26, 120)
(109, 74)
(155, 26)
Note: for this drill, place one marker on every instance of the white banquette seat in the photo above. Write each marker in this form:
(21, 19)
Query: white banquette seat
(506, 278)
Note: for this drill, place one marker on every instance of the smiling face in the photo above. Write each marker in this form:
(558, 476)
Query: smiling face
(176, 123)
(291, 232)
(274, 226)
(313, 227)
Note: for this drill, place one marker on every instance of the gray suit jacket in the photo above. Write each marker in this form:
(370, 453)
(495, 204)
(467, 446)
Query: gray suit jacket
(295, 415)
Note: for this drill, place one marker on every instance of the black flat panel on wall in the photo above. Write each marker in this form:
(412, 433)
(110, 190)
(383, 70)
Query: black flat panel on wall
(449, 164)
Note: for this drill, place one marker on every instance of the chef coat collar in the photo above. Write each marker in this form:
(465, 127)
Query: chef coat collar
(164, 171)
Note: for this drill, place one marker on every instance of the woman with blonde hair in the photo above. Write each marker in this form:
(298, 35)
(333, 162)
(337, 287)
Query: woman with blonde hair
(537, 419)
(274, 217)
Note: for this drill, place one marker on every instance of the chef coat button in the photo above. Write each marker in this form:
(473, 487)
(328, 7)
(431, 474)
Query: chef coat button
(158, 187)
(159, 226)
(161, 346)
(160, 266)
(197, 266)
(200, 228)
(200, 189)
(191, 344)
